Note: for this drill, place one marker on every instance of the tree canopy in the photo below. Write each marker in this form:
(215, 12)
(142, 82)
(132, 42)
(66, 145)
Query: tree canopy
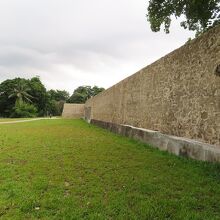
(83, 93)
(58, 95)
(199, 15)
(29, 98)
(21, 92)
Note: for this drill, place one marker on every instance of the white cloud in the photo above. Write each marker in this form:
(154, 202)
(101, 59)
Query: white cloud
(70, 43)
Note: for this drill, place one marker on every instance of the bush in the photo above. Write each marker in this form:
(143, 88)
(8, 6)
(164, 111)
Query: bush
(55, 107)
(24, 110)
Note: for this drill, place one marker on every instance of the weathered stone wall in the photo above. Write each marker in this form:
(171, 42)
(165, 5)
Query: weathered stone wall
(178, 95)
(73, 111)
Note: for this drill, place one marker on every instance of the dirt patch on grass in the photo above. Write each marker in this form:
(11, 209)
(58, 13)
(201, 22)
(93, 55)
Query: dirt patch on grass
(14, 161)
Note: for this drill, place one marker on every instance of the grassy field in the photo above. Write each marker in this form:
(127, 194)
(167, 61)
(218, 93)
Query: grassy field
(67, 169)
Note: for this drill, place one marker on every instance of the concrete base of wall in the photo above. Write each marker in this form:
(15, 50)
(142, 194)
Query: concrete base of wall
(176, 145)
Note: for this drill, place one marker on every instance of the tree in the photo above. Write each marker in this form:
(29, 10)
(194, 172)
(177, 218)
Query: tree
(96, 90)
(59, 95)
(83, 93)
(200, 15)
(57, 98)
(20, 92)
(39, 92)
(29, 98)
(7, 104)
(24, 110)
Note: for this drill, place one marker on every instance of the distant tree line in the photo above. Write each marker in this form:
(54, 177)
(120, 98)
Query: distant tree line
(21, 97)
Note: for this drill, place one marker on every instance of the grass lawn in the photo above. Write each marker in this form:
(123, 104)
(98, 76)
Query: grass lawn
(68, 169)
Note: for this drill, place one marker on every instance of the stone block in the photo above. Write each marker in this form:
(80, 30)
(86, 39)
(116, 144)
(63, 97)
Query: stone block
(176, 145)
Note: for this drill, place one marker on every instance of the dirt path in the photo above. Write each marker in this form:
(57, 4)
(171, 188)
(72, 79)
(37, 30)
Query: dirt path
(27, 120)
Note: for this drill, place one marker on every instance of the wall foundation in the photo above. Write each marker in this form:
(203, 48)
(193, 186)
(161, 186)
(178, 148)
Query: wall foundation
(176, 145)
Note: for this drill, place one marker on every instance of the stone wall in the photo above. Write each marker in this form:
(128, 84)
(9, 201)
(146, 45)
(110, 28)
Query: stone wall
(73, 111)
(177, 95)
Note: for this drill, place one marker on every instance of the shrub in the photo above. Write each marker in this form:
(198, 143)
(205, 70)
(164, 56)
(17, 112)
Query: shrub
(24, 110)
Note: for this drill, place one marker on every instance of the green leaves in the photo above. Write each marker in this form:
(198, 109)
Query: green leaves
(20, 92)
(24, 110)
(83, 93)
(199, 15)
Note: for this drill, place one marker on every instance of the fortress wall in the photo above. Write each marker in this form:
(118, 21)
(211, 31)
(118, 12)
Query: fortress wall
(177, 95)
(73, 110)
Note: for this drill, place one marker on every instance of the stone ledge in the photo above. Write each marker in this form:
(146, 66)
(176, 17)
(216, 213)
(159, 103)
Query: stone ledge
(177, 145)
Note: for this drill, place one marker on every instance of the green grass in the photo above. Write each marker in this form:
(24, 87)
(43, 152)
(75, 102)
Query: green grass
(68, 169)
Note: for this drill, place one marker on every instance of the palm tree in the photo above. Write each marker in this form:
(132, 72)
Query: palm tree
(21, 93)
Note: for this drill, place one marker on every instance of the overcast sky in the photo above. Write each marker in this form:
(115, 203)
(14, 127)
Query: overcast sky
(69, 43)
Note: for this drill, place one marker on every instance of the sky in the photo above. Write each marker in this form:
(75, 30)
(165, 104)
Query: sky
(69, 43)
